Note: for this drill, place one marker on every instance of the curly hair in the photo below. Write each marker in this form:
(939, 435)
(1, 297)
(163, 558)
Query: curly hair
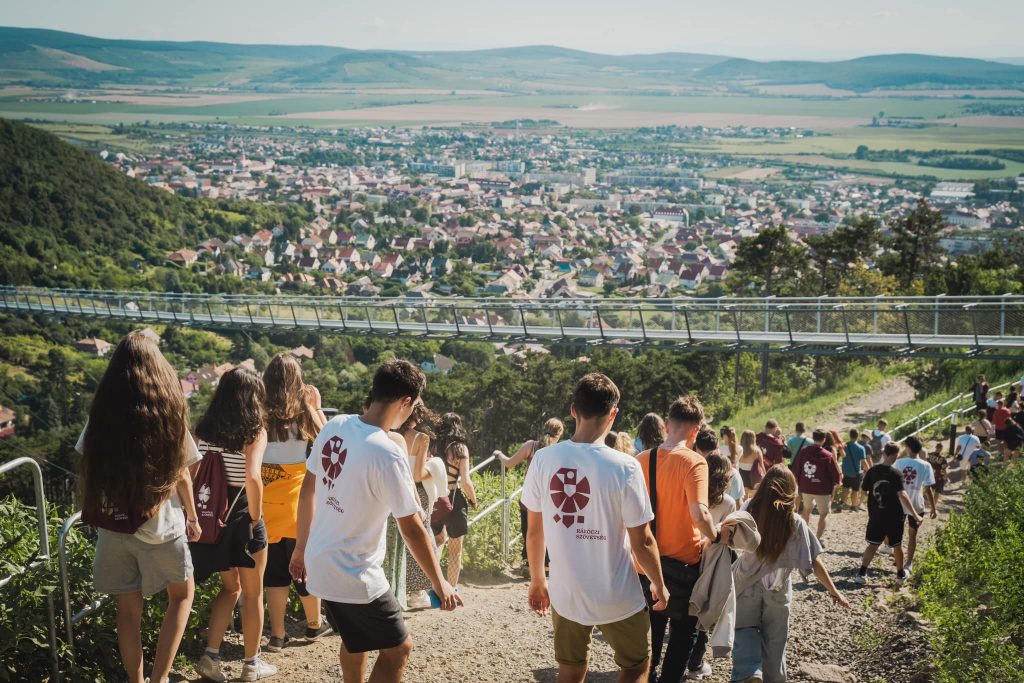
(235, 415)
(450, 432)
(285, 402)
(719, 474)
(423, 419)
(134, 446)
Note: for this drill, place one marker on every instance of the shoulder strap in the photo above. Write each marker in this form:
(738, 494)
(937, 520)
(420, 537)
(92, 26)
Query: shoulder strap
(652, 469)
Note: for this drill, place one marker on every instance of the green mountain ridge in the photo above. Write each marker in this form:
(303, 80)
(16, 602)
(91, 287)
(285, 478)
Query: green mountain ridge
(43, 57)
(67, 219)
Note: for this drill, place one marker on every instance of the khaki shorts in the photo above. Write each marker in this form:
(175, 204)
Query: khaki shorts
(124, 564)
(823, 500)
(630, 639)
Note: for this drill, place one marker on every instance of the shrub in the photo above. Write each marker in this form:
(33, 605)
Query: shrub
(482, 549)
(971, 583)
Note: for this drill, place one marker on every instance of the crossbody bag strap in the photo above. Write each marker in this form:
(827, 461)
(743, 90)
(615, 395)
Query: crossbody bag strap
(652, 468)
(227, 515)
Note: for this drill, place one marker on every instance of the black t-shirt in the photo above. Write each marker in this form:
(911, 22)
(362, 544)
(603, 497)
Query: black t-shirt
(883, 484)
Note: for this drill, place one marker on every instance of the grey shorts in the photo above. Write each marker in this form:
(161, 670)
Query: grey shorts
(124, 564)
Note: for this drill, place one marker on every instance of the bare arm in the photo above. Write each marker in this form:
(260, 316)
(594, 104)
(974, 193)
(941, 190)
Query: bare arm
(538, 596)
(524, 451)
(907, 505)
(419, 544)
(645, 550)
(297, 565)
(184, 491)
(822, 574)
(314, 405)
(253, 476)
(701, 517)
(467, 483)
(420, 448)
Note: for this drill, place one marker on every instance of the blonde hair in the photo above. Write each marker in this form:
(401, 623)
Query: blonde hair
(550, 433)
(748, 442)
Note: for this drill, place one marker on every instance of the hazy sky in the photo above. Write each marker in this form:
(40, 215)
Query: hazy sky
(826, 29)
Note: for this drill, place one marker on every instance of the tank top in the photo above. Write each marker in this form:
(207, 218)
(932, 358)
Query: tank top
(234, 463)
(453, 471)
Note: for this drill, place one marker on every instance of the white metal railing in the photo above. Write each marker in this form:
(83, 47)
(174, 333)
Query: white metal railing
(952, 417)
(70, 619)
(43, 558)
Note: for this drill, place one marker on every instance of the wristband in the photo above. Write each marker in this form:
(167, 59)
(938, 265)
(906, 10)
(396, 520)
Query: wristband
(192, 521)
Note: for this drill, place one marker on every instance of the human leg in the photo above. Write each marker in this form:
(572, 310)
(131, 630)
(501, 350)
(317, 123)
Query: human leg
(775, 633)
(659, 625)
(277, 605)
(129, 634)
(523, 527)
(824, 508)
(629, 639)
(746, 653)
(700, 647)
(681, 638)
(572, 648)
(454, 560)
(353, 665)
(807, 502)
(390, 664)
(179, 604)
(251, 580)
(912, 528)
(222, 608)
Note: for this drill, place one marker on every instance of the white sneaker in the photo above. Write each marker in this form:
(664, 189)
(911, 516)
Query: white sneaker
(861, 579)
(884, 549)
(705, 670)
(257, 670)
(908, 568)
(419, 600)
(209, 668)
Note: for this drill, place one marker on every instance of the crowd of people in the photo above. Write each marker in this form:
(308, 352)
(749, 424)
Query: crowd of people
(680, 540)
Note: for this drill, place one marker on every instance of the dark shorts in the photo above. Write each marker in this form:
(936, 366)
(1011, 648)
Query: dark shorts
(914, 525)
(277, 575)
(1001, 434)
(376, 625)
(238, 542)
(853, 482)
(885, 526)
(456, 522)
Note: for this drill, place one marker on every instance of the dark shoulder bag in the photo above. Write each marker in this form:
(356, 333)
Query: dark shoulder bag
(679, 576)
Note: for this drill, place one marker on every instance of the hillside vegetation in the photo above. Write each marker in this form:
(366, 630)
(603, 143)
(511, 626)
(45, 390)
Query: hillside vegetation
(54, 58)
(69, 219)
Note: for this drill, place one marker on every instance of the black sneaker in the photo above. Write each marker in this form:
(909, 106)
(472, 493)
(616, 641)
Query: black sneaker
(317, 633)
(276, 644)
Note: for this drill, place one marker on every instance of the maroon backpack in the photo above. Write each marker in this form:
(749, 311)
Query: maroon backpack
(114, 519)
(210, 493)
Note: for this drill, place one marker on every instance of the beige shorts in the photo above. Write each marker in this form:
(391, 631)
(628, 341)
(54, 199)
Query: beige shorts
(822, 500)
(124, 564)
(630, 639)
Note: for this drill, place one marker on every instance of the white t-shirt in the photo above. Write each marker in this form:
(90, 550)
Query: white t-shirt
(169, 521)
(916, 475)
(589, 495)
(361, 477)
(968, 444)
(724, 509)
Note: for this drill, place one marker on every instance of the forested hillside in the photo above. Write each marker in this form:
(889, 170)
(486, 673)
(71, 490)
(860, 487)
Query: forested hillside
(68, 219)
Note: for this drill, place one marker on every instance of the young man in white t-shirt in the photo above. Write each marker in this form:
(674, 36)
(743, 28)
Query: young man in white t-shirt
(588, 505)
(918, 480)
(357, 474)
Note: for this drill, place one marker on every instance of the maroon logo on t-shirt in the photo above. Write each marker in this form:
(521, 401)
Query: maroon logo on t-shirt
(909, 475)
(332, 457)
(570, 494)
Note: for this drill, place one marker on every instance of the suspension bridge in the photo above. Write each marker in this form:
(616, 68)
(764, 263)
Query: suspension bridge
(930, 327)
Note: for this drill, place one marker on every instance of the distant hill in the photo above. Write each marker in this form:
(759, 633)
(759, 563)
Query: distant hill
(53, 58)
(69, 219)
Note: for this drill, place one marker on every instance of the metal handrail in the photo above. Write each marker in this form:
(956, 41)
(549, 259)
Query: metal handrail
(43, 556)
(71, 619)
(956, 412)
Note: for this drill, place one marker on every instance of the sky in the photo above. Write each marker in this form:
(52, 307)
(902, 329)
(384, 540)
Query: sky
(756, 29)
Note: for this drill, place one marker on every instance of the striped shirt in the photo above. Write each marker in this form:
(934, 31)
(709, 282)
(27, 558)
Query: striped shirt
(234, 463)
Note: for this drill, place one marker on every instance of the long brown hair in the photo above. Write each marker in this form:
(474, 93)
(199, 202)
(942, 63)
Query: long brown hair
(772, 509)
(235, 415)
(719, 474)
(651, 431)
(134, 447)
(285, 403)
(450, 432)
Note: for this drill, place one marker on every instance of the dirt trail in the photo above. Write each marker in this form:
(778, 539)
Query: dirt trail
(867, 408)
(495, 637)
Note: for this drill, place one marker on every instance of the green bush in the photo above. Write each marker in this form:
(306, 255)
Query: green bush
(482, 549)
(971, 583)
(24, 640)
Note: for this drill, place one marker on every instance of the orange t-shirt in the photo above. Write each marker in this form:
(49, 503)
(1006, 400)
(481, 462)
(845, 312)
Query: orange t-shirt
(682, 481)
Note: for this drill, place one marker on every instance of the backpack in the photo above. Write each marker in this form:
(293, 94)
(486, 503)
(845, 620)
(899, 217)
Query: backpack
(876, 441)
(116, 520)
(210, 492)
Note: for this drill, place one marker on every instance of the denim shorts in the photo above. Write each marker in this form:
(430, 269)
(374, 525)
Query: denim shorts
(124, 564)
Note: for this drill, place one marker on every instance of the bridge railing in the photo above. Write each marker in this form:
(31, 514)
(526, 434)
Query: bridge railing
(900, 323)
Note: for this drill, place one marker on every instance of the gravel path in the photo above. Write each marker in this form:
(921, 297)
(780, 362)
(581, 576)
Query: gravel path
(496, 638)
(867, 408)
